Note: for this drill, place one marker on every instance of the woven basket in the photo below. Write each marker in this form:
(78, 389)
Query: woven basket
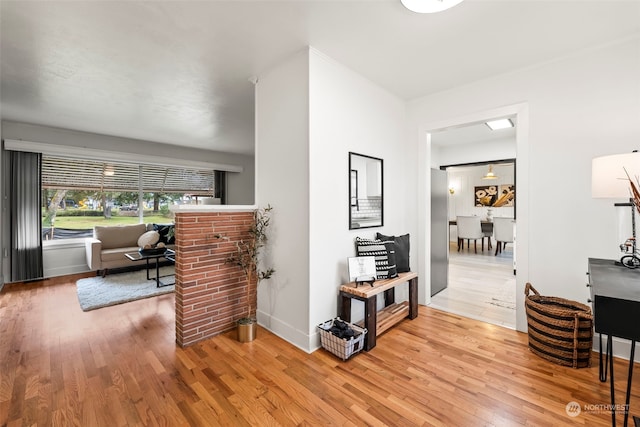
(560, 330)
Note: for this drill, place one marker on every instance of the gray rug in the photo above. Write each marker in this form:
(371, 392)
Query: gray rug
(118, 288)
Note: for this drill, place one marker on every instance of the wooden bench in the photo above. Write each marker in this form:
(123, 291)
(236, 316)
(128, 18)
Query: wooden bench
(376, 321)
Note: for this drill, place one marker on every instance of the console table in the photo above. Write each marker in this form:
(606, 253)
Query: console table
(615, 294)
(376, 321)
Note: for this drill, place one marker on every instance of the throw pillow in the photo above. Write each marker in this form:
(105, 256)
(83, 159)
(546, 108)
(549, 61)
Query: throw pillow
(148, 238)
(402, 250)
(385, 255)
(163, 230)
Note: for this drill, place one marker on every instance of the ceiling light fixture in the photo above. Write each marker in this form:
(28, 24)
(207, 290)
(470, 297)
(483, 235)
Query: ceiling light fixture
(490, 174)
(499, 124)
(429, 6)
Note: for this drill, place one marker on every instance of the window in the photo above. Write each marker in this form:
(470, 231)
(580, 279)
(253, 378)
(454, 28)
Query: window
(79, 194)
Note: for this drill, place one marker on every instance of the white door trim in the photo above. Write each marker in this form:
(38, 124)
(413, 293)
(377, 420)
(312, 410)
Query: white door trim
(521, 112)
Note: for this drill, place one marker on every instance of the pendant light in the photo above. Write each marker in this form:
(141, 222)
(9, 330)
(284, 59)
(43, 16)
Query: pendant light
(490, 174)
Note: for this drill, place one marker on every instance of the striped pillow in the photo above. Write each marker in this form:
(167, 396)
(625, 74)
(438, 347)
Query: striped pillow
(385, 254)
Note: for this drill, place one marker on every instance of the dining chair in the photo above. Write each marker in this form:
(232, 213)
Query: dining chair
(503, 232)
(469, 228)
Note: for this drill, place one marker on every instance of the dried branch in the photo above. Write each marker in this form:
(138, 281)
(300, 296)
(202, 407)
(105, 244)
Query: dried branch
(635, 194)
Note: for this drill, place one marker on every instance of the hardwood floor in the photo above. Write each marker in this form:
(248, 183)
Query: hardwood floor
(119, 366)
(481, 286)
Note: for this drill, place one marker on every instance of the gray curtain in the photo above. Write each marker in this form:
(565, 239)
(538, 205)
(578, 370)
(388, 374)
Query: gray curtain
(26, 217)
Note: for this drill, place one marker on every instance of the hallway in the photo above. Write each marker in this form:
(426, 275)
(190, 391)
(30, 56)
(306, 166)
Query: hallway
(481, 286)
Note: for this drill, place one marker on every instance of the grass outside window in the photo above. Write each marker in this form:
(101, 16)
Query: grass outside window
(88, 222)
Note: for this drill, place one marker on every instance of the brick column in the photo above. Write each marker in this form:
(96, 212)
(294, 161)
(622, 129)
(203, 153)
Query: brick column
(210, 294)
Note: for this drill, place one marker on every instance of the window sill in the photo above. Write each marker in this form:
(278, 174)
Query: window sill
(211, 208)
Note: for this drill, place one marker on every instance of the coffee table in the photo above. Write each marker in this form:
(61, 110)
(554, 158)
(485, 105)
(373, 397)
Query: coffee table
(169, 254)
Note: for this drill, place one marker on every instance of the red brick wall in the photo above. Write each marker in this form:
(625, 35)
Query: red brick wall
(210, 293)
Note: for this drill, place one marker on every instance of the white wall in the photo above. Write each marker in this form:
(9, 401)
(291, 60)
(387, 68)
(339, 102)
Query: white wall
(349, 113)
(464, 180)
(370, 169)
(282, 168)
(4, 217)
(241, 184)
(311, 111)
(583, 106)
(474, 152)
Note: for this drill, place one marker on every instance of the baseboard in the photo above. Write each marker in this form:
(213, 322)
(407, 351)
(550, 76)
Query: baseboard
(66, 270)
(296, 337)
(621, 348)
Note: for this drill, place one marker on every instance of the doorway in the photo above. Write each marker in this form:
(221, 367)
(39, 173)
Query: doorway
(481, 284)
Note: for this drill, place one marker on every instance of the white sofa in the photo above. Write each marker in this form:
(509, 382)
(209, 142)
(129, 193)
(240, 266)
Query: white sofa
(108, 245)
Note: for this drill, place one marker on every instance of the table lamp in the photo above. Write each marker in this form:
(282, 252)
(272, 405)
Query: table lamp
(614, 177)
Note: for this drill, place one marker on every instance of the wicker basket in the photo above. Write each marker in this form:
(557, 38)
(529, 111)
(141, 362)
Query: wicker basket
(341, 347)
(560, 330)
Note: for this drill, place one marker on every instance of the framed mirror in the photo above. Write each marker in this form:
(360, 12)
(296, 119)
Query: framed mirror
(365, 191)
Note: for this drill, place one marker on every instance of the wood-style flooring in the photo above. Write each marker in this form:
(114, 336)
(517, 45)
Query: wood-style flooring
(481, 286)
(119, 366)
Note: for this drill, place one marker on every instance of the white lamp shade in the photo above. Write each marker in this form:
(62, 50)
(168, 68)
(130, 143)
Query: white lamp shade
(608, 177)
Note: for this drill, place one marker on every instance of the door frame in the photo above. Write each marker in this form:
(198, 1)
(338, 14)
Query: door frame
(521, 112)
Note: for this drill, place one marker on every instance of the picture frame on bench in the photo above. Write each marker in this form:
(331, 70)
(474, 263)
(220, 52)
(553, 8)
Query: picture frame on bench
(362, 269)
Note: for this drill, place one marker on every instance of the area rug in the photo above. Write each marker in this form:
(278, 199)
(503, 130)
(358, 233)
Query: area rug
(118, 288)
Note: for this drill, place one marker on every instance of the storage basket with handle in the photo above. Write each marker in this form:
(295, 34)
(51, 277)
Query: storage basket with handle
(342, 347)
(560, 330)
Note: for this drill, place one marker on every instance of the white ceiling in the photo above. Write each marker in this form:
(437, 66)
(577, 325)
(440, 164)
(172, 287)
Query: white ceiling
(178, 71)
